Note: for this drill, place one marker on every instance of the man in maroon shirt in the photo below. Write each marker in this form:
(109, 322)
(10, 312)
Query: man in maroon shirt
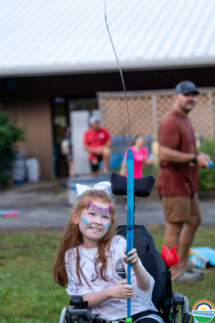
(177, 180)
(97, 142)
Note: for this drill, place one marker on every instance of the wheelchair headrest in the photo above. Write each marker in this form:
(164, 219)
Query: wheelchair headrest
(142, 186)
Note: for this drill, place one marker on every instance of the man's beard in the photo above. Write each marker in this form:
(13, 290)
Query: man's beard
(185, 108)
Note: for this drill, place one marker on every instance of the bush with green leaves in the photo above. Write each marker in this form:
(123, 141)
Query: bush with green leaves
(151, 170)
(207, 175)
(9, 134)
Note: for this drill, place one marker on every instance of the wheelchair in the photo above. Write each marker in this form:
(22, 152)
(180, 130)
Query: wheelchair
(163, 298)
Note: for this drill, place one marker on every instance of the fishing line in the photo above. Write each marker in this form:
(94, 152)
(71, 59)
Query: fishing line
(120, 70)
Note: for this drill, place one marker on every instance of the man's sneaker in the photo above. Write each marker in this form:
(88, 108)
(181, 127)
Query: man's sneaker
(185, 276)
(194, 270)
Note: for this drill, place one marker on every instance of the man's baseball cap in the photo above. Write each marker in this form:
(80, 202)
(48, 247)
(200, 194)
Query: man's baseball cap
(94, 119)
(185, 87)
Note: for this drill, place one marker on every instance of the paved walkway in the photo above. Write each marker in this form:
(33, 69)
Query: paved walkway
(44, 206)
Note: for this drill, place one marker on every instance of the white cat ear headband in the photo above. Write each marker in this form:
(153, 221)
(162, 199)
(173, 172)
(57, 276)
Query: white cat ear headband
(103, 186)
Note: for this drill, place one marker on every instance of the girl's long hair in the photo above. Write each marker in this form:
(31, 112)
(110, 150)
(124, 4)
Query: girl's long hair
(72, 238)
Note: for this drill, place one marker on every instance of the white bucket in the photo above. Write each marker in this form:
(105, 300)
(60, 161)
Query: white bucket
(33, 169)
(71, 195)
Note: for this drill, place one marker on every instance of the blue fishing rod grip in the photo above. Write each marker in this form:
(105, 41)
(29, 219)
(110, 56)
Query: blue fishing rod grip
(130, 218)
(130, 189)
(211, 164)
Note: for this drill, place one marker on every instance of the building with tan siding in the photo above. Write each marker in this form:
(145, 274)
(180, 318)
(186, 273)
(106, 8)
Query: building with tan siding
(57, 57)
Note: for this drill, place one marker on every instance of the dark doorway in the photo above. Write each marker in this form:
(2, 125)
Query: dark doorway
(60, 121)
(61, 108)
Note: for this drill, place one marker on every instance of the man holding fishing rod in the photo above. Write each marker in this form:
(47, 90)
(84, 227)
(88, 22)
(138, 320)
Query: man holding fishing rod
(177, 180)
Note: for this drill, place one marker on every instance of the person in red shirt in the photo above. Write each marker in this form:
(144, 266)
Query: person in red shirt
(97, 142)
(177, 180)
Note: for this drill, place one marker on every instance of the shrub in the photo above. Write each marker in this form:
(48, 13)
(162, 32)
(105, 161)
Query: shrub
(151, 170)
(207, 175)
(9, 134)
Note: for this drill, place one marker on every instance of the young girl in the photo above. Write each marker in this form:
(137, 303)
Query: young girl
(92, 260)
(140, 154)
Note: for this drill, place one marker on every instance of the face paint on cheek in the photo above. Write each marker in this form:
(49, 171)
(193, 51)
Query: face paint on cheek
(84, 220)
(107, 225)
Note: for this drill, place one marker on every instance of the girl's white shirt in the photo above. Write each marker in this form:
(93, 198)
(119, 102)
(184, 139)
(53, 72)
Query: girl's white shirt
(114, 308)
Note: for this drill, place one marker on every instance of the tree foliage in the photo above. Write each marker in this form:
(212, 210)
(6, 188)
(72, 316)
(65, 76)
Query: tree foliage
(9, 134)
(207, 175)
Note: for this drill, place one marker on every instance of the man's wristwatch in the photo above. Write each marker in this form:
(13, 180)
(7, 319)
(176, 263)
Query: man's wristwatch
(194, 161)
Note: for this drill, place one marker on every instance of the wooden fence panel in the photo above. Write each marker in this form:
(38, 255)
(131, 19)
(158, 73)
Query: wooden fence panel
(146, 111)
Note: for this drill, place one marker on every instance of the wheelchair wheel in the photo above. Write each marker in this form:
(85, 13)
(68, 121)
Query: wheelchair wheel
(63, 313)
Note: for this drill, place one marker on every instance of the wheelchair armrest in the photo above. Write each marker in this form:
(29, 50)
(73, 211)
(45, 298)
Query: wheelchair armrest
(82, 314)
(76, 300)
(79, 310)
(177, 299)
(185, 314)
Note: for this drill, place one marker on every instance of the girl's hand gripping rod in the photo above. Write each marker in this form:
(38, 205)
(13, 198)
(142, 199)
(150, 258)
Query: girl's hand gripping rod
(130, 220)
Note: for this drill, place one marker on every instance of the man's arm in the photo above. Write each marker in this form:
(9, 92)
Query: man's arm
(201, 153)
(97, 150)
(90, 149)
(177, 157)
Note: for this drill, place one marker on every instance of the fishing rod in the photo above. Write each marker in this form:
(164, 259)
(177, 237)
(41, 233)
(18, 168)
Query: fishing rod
(130, 183)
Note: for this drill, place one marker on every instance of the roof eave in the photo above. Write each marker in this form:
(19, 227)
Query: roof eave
(107, 67)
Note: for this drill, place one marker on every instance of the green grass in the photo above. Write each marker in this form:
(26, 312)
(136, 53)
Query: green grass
(203, 288)
(28, 293)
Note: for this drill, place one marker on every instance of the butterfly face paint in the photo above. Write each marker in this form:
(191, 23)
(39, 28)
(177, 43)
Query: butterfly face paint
(100, 208)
